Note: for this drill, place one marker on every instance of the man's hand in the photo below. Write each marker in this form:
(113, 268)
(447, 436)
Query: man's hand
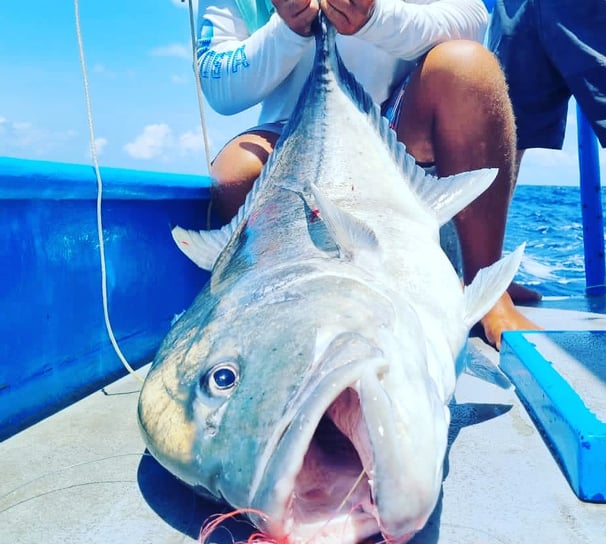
(348, 16)
(298, 14)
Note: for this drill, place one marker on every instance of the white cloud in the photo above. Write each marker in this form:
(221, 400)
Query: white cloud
(191, 142)
(100, 145)
(158, 141)
(22, 126)
(24, 138)
(178, 50)
(155, 141)
(101, 69)
(550, 157)
(181, 80)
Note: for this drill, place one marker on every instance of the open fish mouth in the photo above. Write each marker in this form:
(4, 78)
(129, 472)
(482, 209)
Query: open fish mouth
(316, 483)
(332, 492)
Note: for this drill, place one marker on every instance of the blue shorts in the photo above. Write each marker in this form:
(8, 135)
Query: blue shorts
(550, 50)
(392, 107)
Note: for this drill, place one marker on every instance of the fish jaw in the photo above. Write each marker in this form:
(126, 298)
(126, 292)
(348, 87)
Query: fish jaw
(347, 465)
(406, 416)
(300, 483)
(407, 464)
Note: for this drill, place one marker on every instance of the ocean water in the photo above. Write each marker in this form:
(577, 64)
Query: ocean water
(548, 219)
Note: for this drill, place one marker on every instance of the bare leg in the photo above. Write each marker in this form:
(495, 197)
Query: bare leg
(456, 114)
(237, 167)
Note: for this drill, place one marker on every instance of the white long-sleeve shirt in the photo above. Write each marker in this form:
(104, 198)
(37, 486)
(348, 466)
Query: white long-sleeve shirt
(239, 69)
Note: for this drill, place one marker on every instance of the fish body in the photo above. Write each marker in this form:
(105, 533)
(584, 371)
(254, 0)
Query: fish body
(310, 379)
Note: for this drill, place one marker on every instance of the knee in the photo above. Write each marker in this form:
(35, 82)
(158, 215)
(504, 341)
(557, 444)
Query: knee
(460, 51)
(240, 162)
(466, 65)
(466, 85)
(236, 168)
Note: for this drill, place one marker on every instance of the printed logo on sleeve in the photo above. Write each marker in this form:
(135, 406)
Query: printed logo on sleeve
(214, 65)
(207, 32)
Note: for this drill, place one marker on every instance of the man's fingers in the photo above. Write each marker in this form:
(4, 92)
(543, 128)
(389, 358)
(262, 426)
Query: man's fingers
(348, 16)
(298, 14)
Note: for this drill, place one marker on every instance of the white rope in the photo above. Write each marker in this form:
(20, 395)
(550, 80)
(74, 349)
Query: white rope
(93, 148)
(192, 32)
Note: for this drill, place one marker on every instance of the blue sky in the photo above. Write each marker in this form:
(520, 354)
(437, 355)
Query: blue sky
(143, 94)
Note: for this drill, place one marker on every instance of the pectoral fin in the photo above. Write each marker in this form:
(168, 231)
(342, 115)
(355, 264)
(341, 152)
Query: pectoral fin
(449, 195)
(351, 235)
(202, 247)
(488, 286)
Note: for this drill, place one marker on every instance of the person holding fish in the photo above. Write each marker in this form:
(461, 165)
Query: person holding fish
(422, 61)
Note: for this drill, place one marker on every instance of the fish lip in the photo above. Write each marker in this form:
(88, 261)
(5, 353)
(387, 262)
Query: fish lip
(293, 439)
(397, 524)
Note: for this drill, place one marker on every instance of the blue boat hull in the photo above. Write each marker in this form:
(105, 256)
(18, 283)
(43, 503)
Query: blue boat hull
(54, 347)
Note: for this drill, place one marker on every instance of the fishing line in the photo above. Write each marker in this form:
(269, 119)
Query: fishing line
(93, 149)
(351, 491)
(216, 520)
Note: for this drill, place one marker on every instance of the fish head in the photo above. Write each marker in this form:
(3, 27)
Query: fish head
(218, 386)
(315, 409)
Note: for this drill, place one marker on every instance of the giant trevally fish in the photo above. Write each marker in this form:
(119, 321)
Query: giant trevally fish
(310, 379)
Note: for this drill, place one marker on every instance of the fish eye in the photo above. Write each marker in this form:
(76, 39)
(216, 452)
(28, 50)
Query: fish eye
(221, 379)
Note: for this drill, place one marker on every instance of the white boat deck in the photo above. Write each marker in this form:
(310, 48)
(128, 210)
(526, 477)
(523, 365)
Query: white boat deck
(81, 476)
